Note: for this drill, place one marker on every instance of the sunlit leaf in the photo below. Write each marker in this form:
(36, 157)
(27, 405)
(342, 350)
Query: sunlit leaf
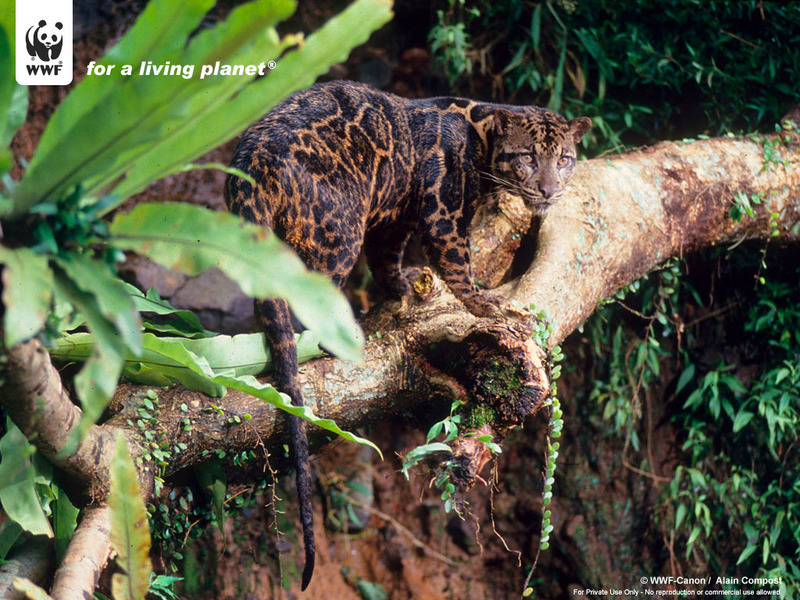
(27, 293)
(130, 531)
(13, 97)
(163, 359)
(193, 239)
(17, 478)
(98, 378)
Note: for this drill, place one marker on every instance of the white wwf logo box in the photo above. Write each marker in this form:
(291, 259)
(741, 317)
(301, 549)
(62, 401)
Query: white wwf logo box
(43, 42)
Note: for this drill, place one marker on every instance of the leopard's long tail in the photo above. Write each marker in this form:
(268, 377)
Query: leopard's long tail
(275, 320)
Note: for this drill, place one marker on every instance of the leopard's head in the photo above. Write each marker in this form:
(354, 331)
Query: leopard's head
(534, 154)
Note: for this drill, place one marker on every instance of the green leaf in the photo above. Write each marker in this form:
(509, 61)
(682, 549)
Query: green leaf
(692, 537)
(250, 385)
(17, 483)
(13, 97)
(10, 532)
(103, 112)
(742, 418)
(420, 452)
(193, 239)
(211, 476)
(130, 531)
(177, 322)
(27, 293)
(126, 131)
(219, 167)
(213, 121)
(371, 591)
(65, 519)
(95, 278)
(97, 379)
(746, 553)
(686, 377)
(191, 367)
(246, 37)
(165, 361)
(679, 516)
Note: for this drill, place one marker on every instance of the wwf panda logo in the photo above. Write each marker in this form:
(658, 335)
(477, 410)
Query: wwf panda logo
(46, 41)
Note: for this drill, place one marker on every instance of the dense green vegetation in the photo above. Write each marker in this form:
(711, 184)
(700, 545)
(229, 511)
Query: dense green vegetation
(720, 355)
(643, 70)
(718, 351)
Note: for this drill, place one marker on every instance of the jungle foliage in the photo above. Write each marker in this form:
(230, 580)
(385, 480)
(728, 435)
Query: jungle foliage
(722, 349)
(643, 70)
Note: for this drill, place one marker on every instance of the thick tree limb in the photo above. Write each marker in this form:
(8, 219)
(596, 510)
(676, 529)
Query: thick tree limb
(625, 216)
(86, 556)
(35, 399)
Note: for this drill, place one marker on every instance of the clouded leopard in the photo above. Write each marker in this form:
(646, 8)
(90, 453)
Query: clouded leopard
(342, 167)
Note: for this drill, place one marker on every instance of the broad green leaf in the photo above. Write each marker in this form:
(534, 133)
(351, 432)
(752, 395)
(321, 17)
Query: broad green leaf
(10, 532)
(97, 379)
(17, 483)
(13, 97)
(250, 385)
(177, 322)
(65, 519)
(130, 532)
(246, 37)
(193, 239)
(746, 553)
(679, 516)
(27, 293)
(101, 110)
(112, 120)
(215, 122)
(103, 301)
(163, 360)
(30, 589)
(95, 278)
(743, 417)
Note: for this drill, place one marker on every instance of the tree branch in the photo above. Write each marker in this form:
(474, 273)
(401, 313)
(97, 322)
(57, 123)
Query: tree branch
(86, 556)
(626, 215)
(35, 399)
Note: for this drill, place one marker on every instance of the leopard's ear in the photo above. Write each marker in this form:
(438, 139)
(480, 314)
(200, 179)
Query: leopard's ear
(503, 119)
(579, 127)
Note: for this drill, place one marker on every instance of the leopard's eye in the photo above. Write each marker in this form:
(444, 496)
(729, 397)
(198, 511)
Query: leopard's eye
(526, 158)
(564, 161)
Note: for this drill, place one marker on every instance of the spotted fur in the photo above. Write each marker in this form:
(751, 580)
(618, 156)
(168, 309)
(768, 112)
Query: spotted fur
(342, 167)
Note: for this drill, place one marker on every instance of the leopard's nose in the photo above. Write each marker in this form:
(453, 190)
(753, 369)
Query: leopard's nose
(548, 190)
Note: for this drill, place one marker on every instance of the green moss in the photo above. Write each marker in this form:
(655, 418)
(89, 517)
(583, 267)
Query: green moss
(500, 378)
(478, 415)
